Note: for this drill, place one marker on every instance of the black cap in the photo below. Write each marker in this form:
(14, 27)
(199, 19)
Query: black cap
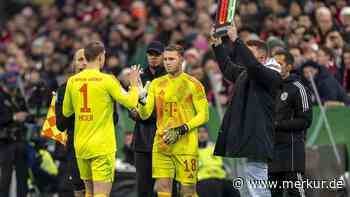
(310, 63)
(155, 46)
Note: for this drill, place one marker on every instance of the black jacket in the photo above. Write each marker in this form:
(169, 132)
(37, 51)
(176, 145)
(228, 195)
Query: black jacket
(11, 130)
(6, 109)
(247, 127)
(145, 129)
(293, 117)
(327, 86)
(63, 123)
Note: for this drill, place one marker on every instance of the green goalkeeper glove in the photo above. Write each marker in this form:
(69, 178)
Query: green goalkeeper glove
(172, 135)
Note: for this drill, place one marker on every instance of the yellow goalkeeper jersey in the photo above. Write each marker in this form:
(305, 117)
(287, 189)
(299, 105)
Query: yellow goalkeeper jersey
(89, 95)
(177, 101)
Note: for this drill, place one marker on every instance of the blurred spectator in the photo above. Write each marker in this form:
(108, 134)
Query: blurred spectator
(345, 22)
(55, 30)
(325, 57)
(297, 55)
(346, 69)
(310, 54)
(211, 173)
(43, 167)
(305, 21)
(249, 12)
(330, 91)
(219, 85)
(192, 59)
(13, 144)
(199, 73)
(324, 21)
(335, 41)
(274, 44)
(309, 41)
(246, 33)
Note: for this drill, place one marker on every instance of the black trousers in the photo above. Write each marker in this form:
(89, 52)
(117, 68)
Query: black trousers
(279, 177)
(69, 176)
(74, 176)
(13, 155)
(144, 180)
(217, 188)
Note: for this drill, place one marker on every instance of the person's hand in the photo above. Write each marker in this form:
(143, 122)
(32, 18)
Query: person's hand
(20, 116)
(232, 32)
(143, 92)
(214, 41)
(171, 136)
(134, 76)
(134, 115)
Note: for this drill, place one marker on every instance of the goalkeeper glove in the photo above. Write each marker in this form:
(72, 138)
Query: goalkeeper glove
(172, 135)
(143, 93)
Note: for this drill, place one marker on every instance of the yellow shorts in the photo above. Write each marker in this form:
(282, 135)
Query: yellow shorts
(182, 168)
(100, 168)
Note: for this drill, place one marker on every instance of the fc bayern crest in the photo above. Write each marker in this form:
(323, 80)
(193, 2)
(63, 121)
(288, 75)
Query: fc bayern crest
(284, 96)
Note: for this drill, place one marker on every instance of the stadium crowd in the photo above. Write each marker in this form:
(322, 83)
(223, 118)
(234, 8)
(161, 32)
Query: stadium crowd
(39, 38)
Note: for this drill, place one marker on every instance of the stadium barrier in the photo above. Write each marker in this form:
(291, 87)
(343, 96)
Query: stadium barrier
(339, 119)
(320, 158)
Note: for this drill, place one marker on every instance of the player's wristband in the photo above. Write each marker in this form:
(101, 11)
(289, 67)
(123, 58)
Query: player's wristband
(143, 100)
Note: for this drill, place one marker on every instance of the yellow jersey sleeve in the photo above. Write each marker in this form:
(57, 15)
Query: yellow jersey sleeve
(200, 104)
(127, 99)
(67, 107)
(145, 111)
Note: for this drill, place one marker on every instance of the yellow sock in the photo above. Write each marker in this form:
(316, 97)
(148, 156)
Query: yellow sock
(164, 194)
(87, 194)
(100, 195)
(79, 193)
(193, 195)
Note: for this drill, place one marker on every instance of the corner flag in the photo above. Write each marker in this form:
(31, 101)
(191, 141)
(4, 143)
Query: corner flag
(49, 128)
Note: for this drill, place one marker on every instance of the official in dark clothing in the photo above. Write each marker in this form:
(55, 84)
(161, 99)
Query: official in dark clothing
(247, 128)
(145, 129)
(293, 117)
(64, 123)
(329, 89)
(13, 145)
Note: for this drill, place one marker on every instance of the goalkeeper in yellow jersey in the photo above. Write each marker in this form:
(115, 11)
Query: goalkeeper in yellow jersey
(181, 107)
(89, 95)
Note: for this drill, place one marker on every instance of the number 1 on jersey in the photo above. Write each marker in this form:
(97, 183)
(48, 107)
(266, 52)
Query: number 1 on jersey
(83, 90)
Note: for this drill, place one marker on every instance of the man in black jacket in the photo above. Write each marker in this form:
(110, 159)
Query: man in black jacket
(247, 127)
(293, 117)
(13, 145)
(145, 129)
(64, 123)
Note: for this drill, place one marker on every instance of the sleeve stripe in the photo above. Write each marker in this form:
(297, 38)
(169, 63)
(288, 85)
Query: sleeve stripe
(303, 94)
